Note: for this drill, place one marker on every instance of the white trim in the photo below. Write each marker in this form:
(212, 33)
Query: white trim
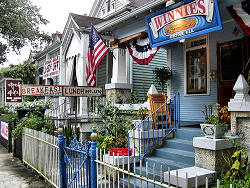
(208, 64)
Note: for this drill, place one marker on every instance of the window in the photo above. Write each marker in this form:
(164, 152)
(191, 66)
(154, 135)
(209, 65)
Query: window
(196, 67)
(196, 71)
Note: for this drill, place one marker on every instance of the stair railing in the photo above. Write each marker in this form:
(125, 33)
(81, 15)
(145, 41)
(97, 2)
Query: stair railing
(151, 132)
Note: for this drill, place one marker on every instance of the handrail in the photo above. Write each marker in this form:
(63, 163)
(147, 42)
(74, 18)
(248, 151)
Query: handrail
(144, 138)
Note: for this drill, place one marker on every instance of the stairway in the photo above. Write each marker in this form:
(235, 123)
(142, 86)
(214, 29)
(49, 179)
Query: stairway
(176, 153)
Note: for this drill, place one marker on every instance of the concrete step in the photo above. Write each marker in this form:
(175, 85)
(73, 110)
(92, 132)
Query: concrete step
(176, 143)
(137, 182)
(172, 164)
(175, 155)
(187, 133)
(191, 174)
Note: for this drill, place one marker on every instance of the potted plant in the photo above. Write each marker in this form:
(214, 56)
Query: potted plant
(217, 121)
(161, 76)
(141, 125)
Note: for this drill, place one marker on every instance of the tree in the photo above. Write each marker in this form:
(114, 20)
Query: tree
(19, 24)
(25, 71)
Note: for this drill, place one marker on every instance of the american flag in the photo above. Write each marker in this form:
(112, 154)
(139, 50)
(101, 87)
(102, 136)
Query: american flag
(96, 51)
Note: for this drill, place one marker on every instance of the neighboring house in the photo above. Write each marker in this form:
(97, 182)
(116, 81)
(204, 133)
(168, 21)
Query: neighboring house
(221, 55)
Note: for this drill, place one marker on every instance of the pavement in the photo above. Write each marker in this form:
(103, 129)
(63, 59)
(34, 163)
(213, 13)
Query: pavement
(13, 174)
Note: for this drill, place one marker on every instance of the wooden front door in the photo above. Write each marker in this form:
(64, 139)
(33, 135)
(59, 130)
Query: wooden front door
(233, 59)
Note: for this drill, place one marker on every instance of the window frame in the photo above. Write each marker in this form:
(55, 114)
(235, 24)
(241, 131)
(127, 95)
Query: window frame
(187, 49)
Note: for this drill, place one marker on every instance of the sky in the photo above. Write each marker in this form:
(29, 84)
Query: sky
(56, 11)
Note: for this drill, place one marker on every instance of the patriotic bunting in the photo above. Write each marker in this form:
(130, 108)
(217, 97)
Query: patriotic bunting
(141, 51)
(241, 13)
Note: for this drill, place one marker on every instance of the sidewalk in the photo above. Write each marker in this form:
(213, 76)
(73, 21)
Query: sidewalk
(13, 174)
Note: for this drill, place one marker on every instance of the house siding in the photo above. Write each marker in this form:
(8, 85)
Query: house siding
(191, 106)
(101, 74)
(143, 74)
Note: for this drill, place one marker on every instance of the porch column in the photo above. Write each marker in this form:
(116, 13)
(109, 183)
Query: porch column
(119, 66)
(119, 89)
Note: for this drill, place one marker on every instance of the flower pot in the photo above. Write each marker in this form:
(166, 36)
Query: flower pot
(213, 131)
(143, 126)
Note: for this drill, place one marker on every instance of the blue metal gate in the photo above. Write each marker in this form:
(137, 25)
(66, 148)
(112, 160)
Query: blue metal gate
(77, 163)
(76, 158)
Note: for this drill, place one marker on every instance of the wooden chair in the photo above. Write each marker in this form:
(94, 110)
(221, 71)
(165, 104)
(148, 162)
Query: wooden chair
(159, 117)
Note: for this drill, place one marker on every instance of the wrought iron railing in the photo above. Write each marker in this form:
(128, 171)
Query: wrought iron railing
(154, 129)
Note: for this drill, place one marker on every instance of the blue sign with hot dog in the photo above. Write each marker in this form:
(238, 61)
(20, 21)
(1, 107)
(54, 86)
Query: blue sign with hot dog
(186, 19)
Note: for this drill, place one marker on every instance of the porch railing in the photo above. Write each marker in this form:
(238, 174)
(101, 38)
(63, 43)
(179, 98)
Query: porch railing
(154, 129)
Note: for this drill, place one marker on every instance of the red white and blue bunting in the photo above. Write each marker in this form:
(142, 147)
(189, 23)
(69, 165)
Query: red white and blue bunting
(141, 51)
(241, 13)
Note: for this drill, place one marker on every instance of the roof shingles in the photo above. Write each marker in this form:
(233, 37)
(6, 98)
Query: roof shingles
(85, 21)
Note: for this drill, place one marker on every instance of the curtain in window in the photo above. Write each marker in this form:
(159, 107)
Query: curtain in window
(79, 70)
(69, 70)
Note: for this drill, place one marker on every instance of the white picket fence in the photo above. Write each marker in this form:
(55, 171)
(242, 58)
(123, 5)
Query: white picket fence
(116, 172)
(40, 152)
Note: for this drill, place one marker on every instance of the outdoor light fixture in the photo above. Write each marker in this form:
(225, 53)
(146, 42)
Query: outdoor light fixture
(169, 2)
(182, 41)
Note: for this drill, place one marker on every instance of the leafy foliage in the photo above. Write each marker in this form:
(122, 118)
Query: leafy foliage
(25, 71)
(19, 24)
(162, 75)
(238, 174)
(113, 128)
(134, 98)
(33, 121)
(68, 132)
(142, 113)
(33, 104)
(219, 117)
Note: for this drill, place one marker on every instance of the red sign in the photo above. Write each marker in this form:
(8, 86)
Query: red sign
(41, 90)
(12, 91)
(51, 68)
(4, 130)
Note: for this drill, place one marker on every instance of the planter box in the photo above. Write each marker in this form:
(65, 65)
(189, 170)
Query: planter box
(212, 131)
(143, 126)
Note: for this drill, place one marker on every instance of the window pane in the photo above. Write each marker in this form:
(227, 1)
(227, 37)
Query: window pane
(196, 71)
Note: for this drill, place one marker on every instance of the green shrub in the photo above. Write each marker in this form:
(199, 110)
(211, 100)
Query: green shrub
(238, 174)
(33, 121)
(113, 127)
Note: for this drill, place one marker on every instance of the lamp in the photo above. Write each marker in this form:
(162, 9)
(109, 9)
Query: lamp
(169, 2)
